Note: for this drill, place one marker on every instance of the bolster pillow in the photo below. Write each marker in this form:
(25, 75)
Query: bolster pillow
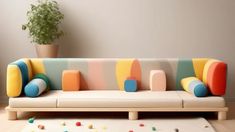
(194, 86)
(18, 75)
(214, 76)
(36, 86)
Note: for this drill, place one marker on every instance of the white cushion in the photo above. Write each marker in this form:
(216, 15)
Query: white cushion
(46, 100)
(115, 98)
(190, 101)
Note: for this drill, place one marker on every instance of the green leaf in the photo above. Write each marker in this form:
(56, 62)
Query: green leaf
(43, 22)
(24, 27)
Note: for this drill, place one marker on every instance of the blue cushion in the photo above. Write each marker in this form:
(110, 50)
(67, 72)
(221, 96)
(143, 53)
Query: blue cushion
(130, 85)
(24, 71)
(200, 90)
(31, 90)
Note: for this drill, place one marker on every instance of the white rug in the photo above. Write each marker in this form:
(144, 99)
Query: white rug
(121, 125)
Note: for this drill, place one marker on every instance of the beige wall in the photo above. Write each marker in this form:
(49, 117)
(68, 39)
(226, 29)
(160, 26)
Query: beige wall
(129, 28)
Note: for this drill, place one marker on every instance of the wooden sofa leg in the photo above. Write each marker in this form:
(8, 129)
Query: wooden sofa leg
(12, 115)
(133, 115)
(222, 115)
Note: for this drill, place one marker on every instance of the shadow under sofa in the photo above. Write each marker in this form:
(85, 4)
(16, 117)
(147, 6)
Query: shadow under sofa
(113, 98)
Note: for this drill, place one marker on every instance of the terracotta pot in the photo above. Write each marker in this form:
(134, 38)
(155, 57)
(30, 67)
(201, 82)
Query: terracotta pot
(47, 50)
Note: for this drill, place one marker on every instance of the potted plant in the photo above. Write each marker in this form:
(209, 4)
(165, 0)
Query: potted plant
(43, 25)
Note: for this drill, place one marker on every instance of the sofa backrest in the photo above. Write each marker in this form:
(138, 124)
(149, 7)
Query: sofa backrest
(109, 73)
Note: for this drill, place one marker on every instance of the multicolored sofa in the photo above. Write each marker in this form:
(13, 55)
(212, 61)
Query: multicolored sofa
(102, 85)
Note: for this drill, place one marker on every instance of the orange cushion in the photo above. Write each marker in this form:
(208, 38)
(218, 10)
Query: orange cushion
(71, 80)
(215, 76)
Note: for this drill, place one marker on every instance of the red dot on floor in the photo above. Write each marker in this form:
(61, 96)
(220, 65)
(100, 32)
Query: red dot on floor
(131, 131)
(78, 123)
(141, 125)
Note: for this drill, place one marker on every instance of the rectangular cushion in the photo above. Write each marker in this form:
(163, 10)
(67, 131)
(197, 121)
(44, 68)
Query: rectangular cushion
(70, 80)
(47, 100)
(191, 101)
(115, 98)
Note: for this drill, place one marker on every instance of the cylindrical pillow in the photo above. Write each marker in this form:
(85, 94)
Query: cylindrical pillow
(215, 76)
(195, 86)
(36, 86)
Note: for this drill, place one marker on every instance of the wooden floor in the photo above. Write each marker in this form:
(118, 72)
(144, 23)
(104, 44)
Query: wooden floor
(14, 126)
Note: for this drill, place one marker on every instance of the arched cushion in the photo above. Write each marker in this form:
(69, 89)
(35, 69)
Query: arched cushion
(14, 75)
(215, 76)
(18, 75)
(157, 80)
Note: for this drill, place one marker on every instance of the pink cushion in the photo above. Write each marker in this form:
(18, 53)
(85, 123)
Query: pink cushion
(157, 80)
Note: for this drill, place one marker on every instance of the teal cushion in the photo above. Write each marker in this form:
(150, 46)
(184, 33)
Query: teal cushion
(200, 90)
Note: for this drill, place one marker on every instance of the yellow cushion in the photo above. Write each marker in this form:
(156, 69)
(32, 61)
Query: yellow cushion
(14, 81)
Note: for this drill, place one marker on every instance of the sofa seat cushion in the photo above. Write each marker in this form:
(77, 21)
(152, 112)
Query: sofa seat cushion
(190, 101)
(115, 98)
(46, 100)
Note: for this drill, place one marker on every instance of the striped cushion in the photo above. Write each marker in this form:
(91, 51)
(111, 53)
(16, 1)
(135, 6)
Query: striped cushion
(36, 86)
(18, 75)
(194, 86)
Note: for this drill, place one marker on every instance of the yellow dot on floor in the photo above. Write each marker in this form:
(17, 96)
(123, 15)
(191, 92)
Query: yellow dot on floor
(63, 124)
(90, 126)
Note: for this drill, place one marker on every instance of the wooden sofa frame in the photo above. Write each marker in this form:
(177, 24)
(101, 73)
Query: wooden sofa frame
(133, 112)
